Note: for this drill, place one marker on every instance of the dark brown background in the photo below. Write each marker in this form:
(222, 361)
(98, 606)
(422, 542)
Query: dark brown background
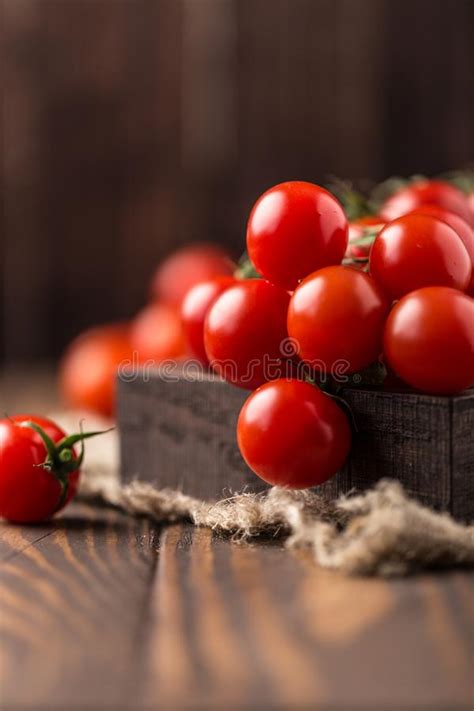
(131, 126)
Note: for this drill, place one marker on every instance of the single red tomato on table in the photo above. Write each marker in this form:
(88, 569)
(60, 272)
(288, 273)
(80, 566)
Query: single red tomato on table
(89, 367)
(429, 340)
(245, 332)
(37, 477)
(337, 316)
(291, 434)
(416, 251)
(295, 228)
(186, 267)
(157, 334)
(196, 304)
(426, 192)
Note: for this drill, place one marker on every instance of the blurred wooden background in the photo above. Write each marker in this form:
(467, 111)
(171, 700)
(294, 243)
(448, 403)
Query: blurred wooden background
(132, 126)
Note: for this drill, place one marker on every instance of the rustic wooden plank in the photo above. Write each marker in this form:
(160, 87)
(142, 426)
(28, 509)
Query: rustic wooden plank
(462, 459)
(182, 436)
(257, 626)
(178, 430)
(219, 624)
(73, 604)
(405, 435)
(14, 540)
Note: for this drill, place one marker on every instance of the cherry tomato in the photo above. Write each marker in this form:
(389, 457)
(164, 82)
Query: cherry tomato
(295, 228)
(426, 192)
(185, 268)
(336, 316)
(416, 251)
(156, 334)
(89, 368)
(357, 228)
(29, 492)
(429, 340)
(194, 310)
(291, 434)
(245, 332)
(462, 229)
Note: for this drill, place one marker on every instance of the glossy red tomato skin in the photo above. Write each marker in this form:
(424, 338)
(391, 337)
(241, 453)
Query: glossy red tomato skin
(429, 340)
(156, 334)
(337, 316)
(416, 251)
(196, 304)
(28, 492)
(462, 229)
(460, 226)
(188, 266)
(295, 228)
(89, 368)
(244, 329)
(291, 434)
(426, 192)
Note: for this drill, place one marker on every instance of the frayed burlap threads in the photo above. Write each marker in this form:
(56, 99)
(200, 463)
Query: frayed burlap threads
(379, 532)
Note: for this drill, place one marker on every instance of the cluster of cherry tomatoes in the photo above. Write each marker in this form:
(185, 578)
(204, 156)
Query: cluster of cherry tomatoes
(318, 300)
(328, 300)
(88, 371)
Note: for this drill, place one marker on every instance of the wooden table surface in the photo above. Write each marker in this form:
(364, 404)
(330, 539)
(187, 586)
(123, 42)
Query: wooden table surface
(99, 610)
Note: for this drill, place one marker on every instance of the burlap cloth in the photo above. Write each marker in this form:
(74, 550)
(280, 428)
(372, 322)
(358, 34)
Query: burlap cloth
(378, 532)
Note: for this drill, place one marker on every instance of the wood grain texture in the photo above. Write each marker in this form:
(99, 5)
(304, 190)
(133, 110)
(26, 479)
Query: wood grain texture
(72, 608)
(98, 611)
(182, 433)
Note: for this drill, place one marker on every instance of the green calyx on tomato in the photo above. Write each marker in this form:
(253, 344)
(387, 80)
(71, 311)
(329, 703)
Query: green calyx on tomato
(358, 249)
(61, 460)
(245, 269)
(354, 202)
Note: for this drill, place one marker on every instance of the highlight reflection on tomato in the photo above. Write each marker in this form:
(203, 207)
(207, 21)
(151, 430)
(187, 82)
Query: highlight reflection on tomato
(337, 316)
(462, 229)
(295, 228)
(244, 331)
(416, 251)
(429, 340)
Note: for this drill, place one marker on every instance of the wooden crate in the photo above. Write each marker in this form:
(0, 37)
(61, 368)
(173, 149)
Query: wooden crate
(180, 433)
